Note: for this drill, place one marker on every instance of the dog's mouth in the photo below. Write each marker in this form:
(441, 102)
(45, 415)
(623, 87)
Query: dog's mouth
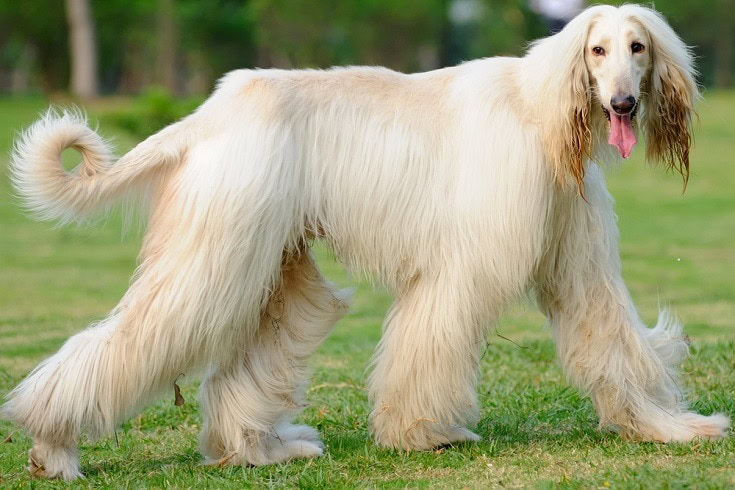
(622, 136)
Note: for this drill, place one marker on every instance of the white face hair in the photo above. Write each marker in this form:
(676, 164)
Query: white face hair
(618, 59)
(625, 64)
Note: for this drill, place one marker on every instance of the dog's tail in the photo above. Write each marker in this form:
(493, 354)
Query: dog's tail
(52, 193)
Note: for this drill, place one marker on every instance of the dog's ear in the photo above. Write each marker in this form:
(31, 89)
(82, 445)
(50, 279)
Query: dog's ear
(671, 91)
(565, 98)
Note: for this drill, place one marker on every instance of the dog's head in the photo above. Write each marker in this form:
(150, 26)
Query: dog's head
(621, 65)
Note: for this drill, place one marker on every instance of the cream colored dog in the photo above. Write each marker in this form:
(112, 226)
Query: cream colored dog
(460, 189)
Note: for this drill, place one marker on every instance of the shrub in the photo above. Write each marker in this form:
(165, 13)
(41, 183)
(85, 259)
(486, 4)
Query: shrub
(150, 112)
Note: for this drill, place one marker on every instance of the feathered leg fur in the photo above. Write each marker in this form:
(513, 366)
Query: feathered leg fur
(248, 401)
(183, 311)
(629, 370)
(425, 368)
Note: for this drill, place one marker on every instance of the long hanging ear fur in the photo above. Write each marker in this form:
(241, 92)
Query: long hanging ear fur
(671, 91)
(563, 91)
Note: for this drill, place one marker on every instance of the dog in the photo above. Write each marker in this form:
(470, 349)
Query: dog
(460, 189)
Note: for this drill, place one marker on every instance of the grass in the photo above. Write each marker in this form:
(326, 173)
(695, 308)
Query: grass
(537, 431)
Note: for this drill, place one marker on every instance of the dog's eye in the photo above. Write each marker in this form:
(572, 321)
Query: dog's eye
(598, 51)
(637, 47)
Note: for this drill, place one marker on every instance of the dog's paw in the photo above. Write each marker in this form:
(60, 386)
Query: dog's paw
(290, 432)
(702, 427)
(295, 449)
(292, 442)
(682, 427)
(423, 435)
(459, 435)
(48, 461)
(277, 450)
(259, 449)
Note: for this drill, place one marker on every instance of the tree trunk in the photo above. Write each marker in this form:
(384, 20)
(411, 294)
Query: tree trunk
(724, 45)
(83, 48)
(166, 55)
(20, 77)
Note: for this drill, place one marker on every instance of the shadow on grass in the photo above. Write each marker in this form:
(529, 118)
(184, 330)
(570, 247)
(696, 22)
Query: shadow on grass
(110, 463)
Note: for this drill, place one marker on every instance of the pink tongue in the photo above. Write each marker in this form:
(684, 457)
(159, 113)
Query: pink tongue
(621, 134)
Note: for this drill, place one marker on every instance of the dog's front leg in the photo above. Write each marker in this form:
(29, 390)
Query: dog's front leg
(423, 382)
(629, 370)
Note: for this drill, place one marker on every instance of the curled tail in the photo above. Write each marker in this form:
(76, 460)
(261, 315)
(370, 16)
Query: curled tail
(52, 193)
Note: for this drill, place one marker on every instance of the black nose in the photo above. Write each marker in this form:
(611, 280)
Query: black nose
(622, 105)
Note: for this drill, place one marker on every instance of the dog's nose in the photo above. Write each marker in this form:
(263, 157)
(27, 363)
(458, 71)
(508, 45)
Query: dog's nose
(622, 105)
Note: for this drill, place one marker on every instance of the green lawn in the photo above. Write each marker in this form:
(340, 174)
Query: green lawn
(678, 249)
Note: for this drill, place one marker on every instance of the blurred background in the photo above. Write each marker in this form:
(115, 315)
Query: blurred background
(103, 47)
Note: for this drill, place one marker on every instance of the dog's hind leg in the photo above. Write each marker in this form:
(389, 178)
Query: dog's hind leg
(206, 272)
(425, 368)
(248, 401)
(628, 369)
(109, 371)
(79, 388)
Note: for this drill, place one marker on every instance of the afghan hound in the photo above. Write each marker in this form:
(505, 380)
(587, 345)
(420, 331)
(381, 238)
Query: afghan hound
(460, 189)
